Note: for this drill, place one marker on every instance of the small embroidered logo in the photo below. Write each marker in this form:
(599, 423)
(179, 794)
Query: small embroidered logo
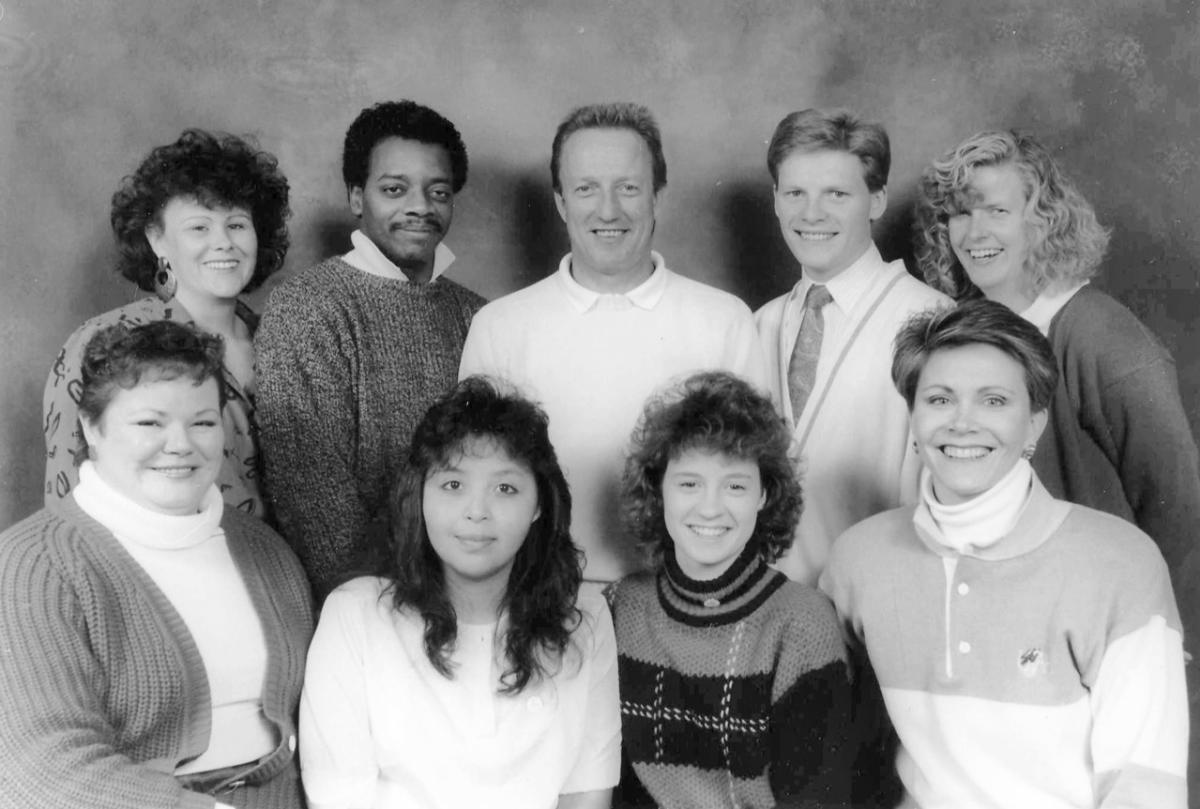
(1032, 662)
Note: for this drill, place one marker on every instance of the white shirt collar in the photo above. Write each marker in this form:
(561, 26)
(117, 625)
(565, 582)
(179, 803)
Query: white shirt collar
(849, 285)
(1046, 305)
(645, 295)
(366, 256)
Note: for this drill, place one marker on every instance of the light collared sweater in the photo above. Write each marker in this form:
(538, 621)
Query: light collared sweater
(1045, 670)
(103, 693)
(856, 457)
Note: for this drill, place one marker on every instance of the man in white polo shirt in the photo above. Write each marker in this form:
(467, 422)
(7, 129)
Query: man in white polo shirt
(612, 325)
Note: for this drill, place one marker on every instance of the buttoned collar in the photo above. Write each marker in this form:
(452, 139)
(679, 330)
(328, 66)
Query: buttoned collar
(367, 256)
(645, 295)
(849, 285)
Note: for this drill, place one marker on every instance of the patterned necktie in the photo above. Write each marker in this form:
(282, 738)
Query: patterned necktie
(802, 369)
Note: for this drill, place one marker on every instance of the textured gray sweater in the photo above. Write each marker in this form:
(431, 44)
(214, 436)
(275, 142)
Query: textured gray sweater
(348, 362)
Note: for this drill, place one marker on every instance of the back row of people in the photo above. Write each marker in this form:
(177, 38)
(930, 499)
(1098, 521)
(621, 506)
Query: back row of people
(351, 352)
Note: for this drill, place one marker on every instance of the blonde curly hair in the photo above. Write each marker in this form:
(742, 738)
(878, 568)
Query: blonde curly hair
(1066, 241)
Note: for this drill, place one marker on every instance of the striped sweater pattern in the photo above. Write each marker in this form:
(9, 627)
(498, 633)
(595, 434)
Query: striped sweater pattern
(735, 692)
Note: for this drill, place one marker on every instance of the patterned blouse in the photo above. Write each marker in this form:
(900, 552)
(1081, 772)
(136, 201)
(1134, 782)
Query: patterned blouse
(238, 479)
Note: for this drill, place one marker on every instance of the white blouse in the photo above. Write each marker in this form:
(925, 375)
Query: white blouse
(381, 728)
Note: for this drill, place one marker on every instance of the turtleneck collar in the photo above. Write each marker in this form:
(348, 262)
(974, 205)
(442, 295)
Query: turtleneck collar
(724, 600)
(133, 522)
(986, 518)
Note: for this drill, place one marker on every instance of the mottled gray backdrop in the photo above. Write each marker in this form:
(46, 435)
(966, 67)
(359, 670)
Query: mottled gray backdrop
(88, 86)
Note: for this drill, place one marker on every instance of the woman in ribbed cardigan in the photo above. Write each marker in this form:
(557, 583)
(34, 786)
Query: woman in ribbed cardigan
(735, 690)
(152, 638)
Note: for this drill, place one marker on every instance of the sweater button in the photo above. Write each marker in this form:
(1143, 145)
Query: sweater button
(963, 588)
(964, 647)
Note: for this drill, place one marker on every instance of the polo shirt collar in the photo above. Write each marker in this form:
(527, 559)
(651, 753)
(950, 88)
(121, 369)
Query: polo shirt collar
(366, 256)
(645, 295)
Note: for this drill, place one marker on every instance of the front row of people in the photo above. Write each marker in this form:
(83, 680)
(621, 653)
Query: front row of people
(151, 639)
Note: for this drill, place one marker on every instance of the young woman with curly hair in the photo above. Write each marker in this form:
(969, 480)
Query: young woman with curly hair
(735, 689)
(467, 674)
(198, 223)
(998, 217)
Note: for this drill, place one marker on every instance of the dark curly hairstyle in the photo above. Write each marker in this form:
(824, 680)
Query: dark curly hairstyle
(120, 356)
(973, 322)
(711, 411)
(547, 570)
(400, 119)
(212, 169)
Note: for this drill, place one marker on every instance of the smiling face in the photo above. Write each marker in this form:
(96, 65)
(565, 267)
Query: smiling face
(478, 510)
(407, 203)
(608, 203)
(710, 506)
(825, 210)
(972, 418)
(212, 251)
(160, 443)
(991, 239)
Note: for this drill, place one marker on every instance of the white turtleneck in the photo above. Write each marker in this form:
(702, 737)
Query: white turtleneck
(188, 559)
(984, 519)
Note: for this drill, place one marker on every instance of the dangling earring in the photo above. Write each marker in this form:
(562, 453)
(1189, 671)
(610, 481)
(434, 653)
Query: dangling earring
(164, 280)
(1027, 453)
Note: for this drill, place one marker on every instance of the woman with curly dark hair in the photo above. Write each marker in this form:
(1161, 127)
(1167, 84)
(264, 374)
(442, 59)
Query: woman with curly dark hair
(466, 674)
(199, 222)
(735, 689)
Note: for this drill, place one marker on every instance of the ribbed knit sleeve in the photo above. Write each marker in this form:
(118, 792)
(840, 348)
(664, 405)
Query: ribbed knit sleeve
(57, 746)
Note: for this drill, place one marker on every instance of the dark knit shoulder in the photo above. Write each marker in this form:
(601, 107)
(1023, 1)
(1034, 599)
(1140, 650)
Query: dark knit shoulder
(325, 285)
(1095, 328)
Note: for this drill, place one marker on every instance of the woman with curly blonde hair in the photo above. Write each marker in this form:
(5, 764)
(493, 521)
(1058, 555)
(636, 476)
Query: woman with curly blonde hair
(997, 217)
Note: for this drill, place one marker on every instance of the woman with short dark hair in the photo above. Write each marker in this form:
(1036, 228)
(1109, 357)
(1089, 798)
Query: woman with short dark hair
(153, 636)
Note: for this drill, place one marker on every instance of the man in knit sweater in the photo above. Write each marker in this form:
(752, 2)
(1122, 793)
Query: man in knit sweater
(353, 351)
(593, 340)
(828, 341)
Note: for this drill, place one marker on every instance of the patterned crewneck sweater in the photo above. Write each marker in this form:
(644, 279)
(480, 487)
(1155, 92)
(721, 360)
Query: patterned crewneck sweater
(348, 362)
(735, 692)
